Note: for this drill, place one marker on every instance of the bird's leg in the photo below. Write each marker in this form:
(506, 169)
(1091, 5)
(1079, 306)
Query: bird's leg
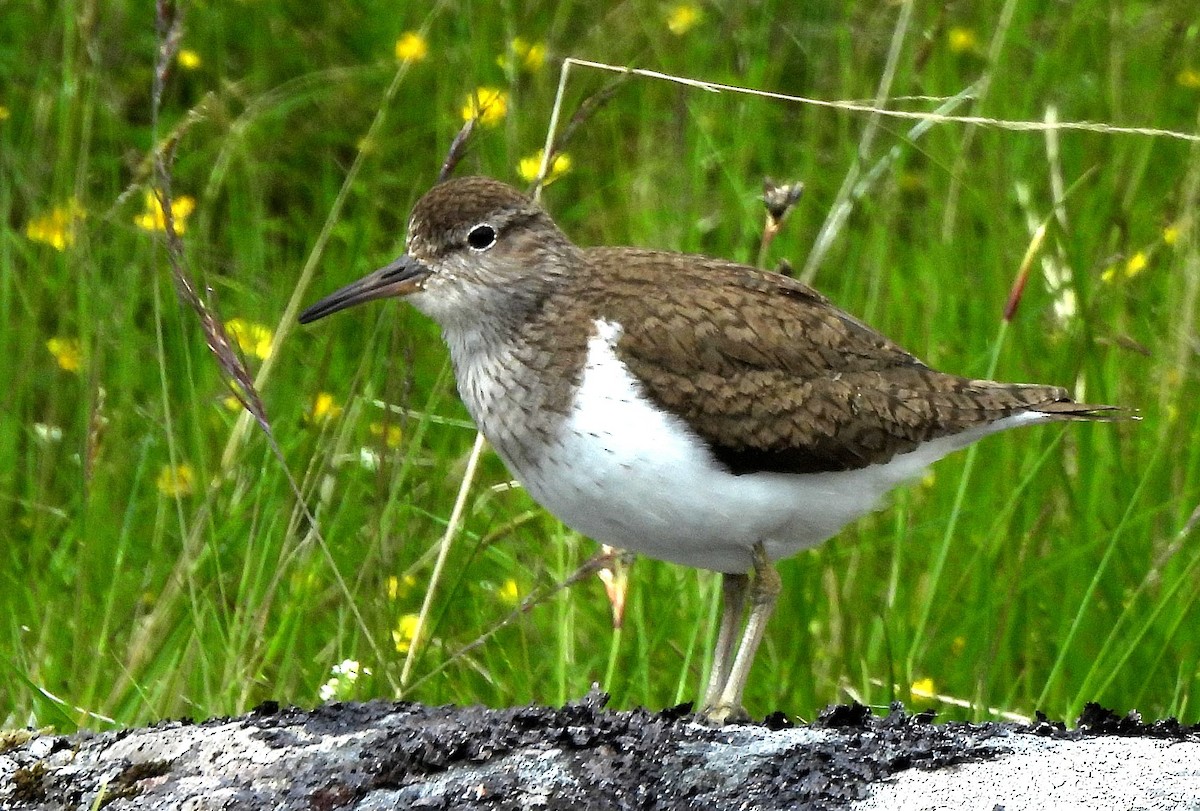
(733, 605)
(763, 592)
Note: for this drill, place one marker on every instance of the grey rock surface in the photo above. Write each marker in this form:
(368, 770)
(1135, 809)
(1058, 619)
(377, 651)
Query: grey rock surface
(383, 755)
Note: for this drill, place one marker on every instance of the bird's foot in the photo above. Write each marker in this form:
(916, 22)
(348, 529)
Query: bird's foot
(722, 714)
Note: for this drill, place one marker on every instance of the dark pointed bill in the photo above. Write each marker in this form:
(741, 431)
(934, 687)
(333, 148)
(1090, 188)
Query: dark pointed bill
(397, 279)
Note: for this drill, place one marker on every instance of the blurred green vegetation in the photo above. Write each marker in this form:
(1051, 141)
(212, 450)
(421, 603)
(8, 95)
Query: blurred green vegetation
(141, 576)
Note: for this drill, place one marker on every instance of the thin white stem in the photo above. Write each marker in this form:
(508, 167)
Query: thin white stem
(865, 107)
(452, 526)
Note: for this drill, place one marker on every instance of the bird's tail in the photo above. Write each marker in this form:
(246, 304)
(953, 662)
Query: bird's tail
(1070, 410)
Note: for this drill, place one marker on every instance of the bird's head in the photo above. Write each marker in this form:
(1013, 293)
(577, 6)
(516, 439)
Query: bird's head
(475, 246)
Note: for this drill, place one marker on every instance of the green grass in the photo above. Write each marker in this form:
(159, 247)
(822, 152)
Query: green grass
(1049, 568)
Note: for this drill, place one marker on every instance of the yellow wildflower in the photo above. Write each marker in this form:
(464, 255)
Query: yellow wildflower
(405, 630)
(57, 228)
(488, 104)
(1136, 264)
(411, 47)
(1189, 78)
(153, 218)
(176, 480)
(683, 17)
(509, 592)
(188, 59)
(230, 398)
(529, 167)
(4, 113)
(252, 338)
(325, 407)
(523, 55)
(962, 40)
(67, 352)
(1170, 234)
(922, 688)
(393, 435)
(398, 587)
(533, 57)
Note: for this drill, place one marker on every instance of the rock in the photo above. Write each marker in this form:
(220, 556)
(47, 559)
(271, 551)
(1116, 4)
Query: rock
(382, 755)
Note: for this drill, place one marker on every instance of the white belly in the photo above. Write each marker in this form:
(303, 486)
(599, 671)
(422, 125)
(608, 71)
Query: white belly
(624, 473)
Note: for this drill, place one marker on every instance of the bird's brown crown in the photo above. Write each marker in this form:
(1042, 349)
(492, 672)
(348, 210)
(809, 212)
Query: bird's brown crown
(442, 220)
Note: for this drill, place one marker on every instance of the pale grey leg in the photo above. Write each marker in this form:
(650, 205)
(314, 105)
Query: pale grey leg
(733, 605)
(763, 593)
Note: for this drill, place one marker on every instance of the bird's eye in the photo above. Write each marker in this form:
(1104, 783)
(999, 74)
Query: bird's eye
(481, 237)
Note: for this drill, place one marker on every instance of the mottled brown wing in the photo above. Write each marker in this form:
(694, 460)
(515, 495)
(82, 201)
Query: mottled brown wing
(775, 378)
